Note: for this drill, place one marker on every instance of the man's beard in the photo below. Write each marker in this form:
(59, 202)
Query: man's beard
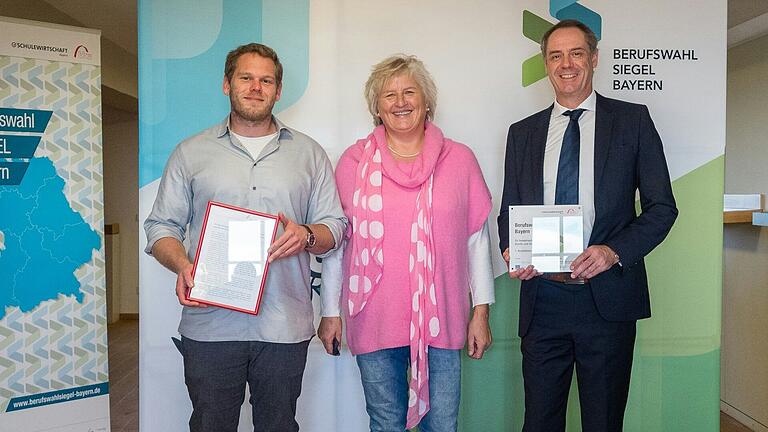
(250, 114)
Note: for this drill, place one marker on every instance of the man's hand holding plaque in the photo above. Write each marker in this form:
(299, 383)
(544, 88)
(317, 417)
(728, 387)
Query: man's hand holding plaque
(543, 239)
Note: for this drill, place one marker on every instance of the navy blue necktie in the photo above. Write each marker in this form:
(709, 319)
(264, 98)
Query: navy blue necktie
(567, 189)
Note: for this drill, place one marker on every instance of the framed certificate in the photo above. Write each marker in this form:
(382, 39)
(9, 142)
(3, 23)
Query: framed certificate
(549, 237)
(231, 262)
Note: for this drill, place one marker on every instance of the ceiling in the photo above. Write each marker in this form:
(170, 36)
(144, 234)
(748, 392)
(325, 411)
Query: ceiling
(115, 18)
(741, 11)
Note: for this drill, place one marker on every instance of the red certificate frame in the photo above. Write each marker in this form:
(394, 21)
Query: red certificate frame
(201, 292)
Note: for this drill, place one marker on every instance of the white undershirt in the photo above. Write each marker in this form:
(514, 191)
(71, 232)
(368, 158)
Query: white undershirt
(254, 145)
(557, 125)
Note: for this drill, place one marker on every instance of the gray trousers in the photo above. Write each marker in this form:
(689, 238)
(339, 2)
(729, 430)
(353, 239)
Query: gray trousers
(216, 373)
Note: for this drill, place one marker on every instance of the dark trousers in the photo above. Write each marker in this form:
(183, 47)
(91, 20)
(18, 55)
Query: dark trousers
(567, 330)
(216, 373)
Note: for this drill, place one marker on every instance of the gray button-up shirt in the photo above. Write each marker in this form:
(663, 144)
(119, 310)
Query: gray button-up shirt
(293, 175)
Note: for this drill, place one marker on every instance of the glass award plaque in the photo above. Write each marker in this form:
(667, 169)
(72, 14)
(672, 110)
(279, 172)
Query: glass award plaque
(547, 237)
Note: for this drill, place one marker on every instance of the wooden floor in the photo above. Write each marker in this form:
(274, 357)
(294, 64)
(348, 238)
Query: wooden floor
(124, 375)
(124, 380)
(729, 424)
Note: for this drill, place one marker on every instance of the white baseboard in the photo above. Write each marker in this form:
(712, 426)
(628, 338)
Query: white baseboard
(743, 418)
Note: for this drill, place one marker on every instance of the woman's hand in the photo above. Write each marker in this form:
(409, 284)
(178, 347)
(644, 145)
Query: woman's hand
(479, 337)
(328, 331)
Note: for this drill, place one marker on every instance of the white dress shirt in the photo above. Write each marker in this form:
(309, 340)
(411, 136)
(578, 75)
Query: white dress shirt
(557, 125)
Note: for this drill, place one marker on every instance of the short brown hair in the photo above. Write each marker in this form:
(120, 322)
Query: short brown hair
(252, 48)
(589, 35)
(396, 65)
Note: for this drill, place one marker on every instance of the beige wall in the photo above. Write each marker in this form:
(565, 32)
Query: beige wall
(121, 197)
(745, 285)
(118, 66)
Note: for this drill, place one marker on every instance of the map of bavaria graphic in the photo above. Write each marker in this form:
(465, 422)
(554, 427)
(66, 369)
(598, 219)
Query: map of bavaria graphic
(43, 241)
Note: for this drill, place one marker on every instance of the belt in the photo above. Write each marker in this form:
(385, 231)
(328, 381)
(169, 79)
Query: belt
(565, 278)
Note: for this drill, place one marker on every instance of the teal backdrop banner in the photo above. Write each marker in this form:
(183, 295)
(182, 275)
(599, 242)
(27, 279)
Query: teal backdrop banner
(181, 65)
(486, 61)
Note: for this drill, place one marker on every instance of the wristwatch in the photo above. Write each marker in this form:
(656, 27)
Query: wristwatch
(311, 239)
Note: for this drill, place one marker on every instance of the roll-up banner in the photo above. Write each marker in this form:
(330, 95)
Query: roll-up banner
(485, 59)
(53, 327)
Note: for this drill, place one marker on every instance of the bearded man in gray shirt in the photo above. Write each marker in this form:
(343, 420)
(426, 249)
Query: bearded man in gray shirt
(250, 160)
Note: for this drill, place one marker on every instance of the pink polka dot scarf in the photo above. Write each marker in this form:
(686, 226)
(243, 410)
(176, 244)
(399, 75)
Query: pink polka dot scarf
(368, 257)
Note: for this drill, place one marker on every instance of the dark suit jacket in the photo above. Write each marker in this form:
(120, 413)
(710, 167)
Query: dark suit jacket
(628, 157)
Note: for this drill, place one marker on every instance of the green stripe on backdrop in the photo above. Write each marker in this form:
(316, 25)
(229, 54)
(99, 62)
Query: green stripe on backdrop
(676, 372)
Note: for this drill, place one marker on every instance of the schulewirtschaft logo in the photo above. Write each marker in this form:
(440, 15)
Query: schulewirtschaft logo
(82, 52)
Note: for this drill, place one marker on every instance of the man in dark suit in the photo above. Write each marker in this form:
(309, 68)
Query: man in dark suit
(596, 152)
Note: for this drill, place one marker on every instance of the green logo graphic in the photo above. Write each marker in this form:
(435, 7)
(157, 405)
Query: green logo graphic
(535, 26)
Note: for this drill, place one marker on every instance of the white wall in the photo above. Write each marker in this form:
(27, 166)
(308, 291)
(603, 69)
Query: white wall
(745, 285)
(121, 196)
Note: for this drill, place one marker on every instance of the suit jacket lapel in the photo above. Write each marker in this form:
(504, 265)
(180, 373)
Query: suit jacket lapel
(538, 142)
(603, 127)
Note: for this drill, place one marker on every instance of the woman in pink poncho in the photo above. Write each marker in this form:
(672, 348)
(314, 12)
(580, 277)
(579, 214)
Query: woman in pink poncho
(417, 248)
